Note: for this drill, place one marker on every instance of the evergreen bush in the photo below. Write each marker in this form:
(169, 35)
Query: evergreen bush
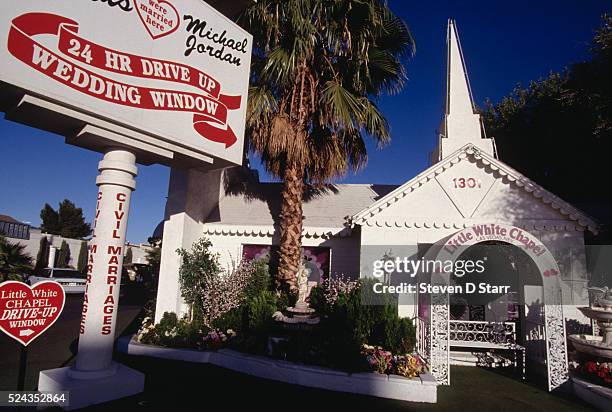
(42, 258)
(82, 259)
(63, 256)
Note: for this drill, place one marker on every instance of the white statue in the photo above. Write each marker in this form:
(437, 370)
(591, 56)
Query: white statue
(302, 283)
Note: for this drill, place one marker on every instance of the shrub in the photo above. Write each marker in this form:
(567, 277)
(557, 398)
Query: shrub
(357, 317)
(252, 321)
(170, 331)
(232, 319)
(260, 279)
(317, 301)
(259, 311)
(260, 301)
(324, 296)
(210, 291)
(42, 258)
(82, 259)
(63, 256)
(14, 261)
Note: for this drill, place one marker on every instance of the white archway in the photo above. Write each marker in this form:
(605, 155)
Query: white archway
(436, 335)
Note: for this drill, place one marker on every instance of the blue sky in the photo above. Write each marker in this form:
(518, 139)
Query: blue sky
(503, 43)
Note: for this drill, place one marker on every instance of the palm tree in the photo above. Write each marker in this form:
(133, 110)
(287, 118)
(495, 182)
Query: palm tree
(14, 262)
(318, 68)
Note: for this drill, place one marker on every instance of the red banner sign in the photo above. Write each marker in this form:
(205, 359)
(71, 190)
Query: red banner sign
(27, 311)
(210, 108)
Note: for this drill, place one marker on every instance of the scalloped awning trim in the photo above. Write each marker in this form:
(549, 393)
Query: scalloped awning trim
(269, 231)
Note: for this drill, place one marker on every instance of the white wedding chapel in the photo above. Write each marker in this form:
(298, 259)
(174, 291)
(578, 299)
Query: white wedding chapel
(467, 196)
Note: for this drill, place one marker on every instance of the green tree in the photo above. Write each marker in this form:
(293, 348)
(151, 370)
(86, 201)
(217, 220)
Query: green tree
(318, 69)
(68, 221)
(42, 257)
(153, 255)
(82, 259)
(72, 221)
(14, 261)
(63, 256)
(50, 220)
(198, 266)
(558, 130)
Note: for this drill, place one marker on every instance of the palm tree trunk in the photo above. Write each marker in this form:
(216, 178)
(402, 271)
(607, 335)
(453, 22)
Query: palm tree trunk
(291, 228)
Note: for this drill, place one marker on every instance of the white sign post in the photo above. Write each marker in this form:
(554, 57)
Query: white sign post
(116, 183)
(147, 81)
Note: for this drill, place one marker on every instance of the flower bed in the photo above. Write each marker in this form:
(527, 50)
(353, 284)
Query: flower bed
(598, 372)
(357, 332)
(417, 389)
(174, 333)
(384, 362)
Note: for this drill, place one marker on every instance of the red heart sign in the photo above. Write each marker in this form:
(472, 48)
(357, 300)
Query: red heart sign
(159, 17)
(27, 311)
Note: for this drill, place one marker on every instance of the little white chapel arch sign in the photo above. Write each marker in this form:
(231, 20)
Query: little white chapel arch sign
(148, 81)
(450, 249)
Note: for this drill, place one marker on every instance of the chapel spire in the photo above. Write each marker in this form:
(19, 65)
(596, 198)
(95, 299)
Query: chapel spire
(461, 124)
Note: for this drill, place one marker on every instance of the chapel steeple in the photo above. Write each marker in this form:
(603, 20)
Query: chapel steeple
(461, 124)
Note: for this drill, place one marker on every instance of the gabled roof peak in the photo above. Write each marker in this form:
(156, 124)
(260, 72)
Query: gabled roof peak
(476, 154)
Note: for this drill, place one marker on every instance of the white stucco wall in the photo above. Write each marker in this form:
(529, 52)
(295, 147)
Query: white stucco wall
(191, 196)
(32, 247)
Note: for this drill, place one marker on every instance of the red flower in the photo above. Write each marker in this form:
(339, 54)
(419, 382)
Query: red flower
(591, 366)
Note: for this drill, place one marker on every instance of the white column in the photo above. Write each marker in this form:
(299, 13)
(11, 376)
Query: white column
(105, 260)
(96, 378)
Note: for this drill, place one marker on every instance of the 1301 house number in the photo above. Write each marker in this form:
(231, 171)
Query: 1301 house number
(467, 183)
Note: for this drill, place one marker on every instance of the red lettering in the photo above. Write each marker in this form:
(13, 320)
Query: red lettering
(114, 250)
